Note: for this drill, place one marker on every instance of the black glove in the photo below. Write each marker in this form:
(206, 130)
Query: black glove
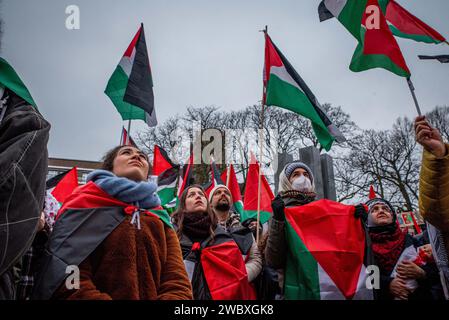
(278, 208)
(361, 212)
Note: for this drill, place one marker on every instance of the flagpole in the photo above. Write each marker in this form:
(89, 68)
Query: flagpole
(446, 42)
(228, 175)
(259, 183)
(412, 91)
(129, 133)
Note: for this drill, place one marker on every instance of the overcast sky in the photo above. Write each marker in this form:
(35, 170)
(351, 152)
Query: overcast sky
(202, 52)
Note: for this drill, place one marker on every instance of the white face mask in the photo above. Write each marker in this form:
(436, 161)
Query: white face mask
(302, 184)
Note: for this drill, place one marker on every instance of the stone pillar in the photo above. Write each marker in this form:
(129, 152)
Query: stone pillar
(327, 167)
(311, 157)
(283, 159)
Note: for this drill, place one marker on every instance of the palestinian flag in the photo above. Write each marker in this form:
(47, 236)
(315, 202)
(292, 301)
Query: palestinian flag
(130, 87)
(440, 58)
(68, 181)
(83, 212)
(366, 21)
(405, 25)
(233, 185)
(215, 178)
(126, 140)
(401, 22)
(219, 261)
(161, 161)
(251, 195)
(11, 80)
(286, 89)
(166, 185)
(327, 253)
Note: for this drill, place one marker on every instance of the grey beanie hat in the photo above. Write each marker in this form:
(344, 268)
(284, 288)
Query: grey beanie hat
(289, 168)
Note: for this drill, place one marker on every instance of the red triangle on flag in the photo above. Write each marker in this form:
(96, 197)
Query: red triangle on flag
(66, 186)
(334, 237)
(161, 161)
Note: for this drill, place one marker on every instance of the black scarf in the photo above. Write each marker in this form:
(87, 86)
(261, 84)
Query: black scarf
(196, 226)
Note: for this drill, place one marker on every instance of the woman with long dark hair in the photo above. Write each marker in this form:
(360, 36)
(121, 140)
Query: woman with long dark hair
(213, 259)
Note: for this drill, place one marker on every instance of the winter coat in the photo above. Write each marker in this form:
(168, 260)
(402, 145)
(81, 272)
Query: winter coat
(434, 193)
(116, 259)
(23, 168)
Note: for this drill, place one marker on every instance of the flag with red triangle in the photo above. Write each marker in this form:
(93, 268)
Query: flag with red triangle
(365, 20)
(328, 254)
(233, 186)
(66, 185)
(161, 161)
(401, 22)
(250, 198)
(126, 140)
(130, 87)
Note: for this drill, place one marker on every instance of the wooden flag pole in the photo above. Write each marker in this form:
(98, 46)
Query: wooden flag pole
(446, 42)
(412, 90)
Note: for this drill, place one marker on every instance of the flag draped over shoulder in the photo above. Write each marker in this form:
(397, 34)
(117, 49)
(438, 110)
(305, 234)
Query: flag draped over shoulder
(130, 87)
(327, 253)
(286, 89)
(366, 21)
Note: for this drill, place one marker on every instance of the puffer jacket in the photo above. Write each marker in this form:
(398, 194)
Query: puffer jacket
(434, 193)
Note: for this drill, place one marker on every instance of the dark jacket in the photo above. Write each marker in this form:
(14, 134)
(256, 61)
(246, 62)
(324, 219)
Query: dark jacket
(23, 168)
(216, 267)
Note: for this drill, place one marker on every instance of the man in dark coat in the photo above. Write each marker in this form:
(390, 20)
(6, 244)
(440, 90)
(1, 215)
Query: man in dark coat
(23, 168)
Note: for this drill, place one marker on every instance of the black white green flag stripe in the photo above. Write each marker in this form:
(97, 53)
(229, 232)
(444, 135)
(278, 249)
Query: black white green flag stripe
(286, 89)
(130, 87)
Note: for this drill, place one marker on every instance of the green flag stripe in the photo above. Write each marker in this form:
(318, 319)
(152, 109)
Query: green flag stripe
(301, 272)
(116, 89)
(416, 37)
(285, 95)
(252, 214)
(163, 215)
